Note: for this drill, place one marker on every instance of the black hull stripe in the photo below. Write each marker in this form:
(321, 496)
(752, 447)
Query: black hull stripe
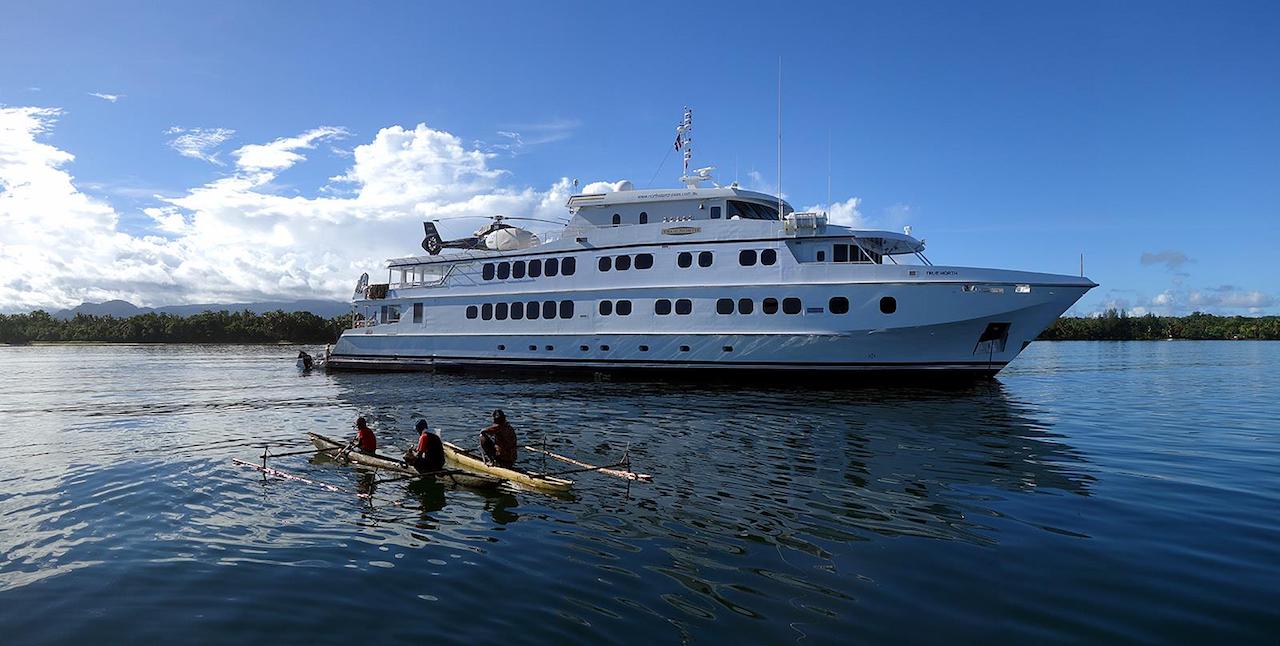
(412, 360)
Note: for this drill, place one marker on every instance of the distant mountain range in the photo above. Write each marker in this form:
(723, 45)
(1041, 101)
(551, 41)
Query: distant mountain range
(326, 309)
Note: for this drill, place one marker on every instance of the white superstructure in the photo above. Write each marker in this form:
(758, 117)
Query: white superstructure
(698, 279)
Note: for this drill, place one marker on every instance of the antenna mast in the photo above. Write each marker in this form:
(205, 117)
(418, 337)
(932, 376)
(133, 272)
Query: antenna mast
(780, 218)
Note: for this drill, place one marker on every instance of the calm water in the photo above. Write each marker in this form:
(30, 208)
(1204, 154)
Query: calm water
(1096, 491)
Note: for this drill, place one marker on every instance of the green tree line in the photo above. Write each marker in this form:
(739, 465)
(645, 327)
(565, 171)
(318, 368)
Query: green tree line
(205, 327)
(1116, 325)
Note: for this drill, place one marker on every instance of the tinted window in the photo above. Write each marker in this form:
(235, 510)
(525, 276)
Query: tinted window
(888, 305)
(685, 259)
(553, 266)
(486, 311)
(822, 256)
(841, 253)
(838, 305)
(472, 311)
(662, 307)
(500, 311)
(606, 308)
(745, 306)
(535, 268)
(623, 263)
(724, 306)
(605, 263)
(548, 309)
(517, 310)
(747, 257)
(769, 306)
(517, 269)
(715, 213)
(531, 310)
(566, 309)
(704, 259)
(504, 270)
(417, 312)
(569, 266)
(623, 308)
(768, 256)
(644, 218)
(684, 306)
(617, 218)
(644, 261)
(791, 306)
(487, 272)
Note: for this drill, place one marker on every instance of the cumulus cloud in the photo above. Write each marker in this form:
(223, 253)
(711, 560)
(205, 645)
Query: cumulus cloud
(1179, 301)
(107, 97)
(844, 213)
(234, 238)
(1171, 259)
(199, 143)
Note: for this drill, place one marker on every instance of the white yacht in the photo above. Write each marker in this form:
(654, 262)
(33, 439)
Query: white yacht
(695, 280)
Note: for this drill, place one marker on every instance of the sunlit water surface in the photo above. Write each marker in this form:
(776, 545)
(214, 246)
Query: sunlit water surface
(1096, 491)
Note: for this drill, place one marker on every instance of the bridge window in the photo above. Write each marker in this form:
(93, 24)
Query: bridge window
(486, 311)
(500, 311)
(606, 308)
(617, 218)
(605, 263)
(553, 266)
(623, 308)
(535, 268)
(747, 257)
(644, 261)
(724, 306)
(684, 306)
(644, 218)
(504, 270)
(704, 259)
(517, 310)
(768, 256)
(486, 272)
(662, 307)
(751, 211)
(569, 266)
(715, 213)
(745, 306)
(791, 306)
(517, 269)
(838, 305)
(531, 310)
(472, 311)
(769, 306)
(623, 263)
(566, 309)
(888, 305)
(548, 309)
(417, 312)
(841, 253)
(684, 260)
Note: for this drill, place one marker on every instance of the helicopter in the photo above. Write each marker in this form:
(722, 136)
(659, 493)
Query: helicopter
(495, 236)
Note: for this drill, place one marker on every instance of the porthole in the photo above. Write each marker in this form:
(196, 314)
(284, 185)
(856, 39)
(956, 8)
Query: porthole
(472, 311)
(622, 263)
(502, 346)
(535, 268)
(644, 261)
(584, 348)
(533, 348)
(724, 306)
(662, 307)
(684, 306)
(684, 260)
(747, 257)
(623, 308)
(684, 348)
(566, 309)
(791, 306)
(531, 310)
(568, 266)
(500, 311)
(606, 308)
(745, 306)
(617, 218)
(838, 305)
(769, 306)
(553, 266)
(548, 309)
(517, 269)
(486, 272)
(727, 348)
(769, 256)
(644, 218)
(604, 348)
(517, 310)
(504, 270)
(548, 348)
(704, 259)
(644, 348)
(888, 305)
(605, 263)
(486, 311)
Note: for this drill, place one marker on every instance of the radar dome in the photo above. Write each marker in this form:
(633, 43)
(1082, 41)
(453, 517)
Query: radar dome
(625, 185)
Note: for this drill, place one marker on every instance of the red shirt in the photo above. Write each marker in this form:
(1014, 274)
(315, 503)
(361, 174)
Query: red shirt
(365, 440)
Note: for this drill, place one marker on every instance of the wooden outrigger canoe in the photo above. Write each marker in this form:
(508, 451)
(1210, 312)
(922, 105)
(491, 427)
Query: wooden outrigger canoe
(378, 461)
(472, 461)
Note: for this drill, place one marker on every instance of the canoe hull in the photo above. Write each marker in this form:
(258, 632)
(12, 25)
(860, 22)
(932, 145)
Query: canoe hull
(385, 463)
(470, 461)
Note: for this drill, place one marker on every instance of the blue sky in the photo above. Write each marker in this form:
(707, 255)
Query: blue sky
(1144, 135)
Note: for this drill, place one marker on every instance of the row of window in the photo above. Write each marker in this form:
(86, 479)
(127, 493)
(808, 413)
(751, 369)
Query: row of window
(748, 257)
(519, 310)
(604, 348)
(621, 308)
(684, 259)
(531, 268)
(624, 262)
(644, 218)
(836, 305)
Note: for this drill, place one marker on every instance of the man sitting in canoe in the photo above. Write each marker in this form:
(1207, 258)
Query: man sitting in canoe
(498, 442)
(429, 456)
(365, 442)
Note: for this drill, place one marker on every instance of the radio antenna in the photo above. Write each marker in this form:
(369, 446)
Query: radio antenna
(780, 139)
(828, 169)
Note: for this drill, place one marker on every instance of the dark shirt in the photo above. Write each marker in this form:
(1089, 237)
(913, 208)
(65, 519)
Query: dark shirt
(504, 440)
(430, 452)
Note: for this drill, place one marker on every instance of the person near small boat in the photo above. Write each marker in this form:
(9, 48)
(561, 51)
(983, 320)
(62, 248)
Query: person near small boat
(429, 455)
(365, 441)
(498, 442)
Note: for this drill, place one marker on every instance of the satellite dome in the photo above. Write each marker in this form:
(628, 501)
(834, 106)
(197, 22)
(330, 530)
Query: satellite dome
(625, 185)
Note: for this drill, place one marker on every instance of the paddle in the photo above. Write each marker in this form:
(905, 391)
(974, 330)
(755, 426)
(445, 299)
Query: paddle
(342, 455)
(281, 455)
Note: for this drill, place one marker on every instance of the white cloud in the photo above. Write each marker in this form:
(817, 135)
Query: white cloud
(107, 97)
(844, 213)
(1178, 301)
(235, 238)
(199, 143)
